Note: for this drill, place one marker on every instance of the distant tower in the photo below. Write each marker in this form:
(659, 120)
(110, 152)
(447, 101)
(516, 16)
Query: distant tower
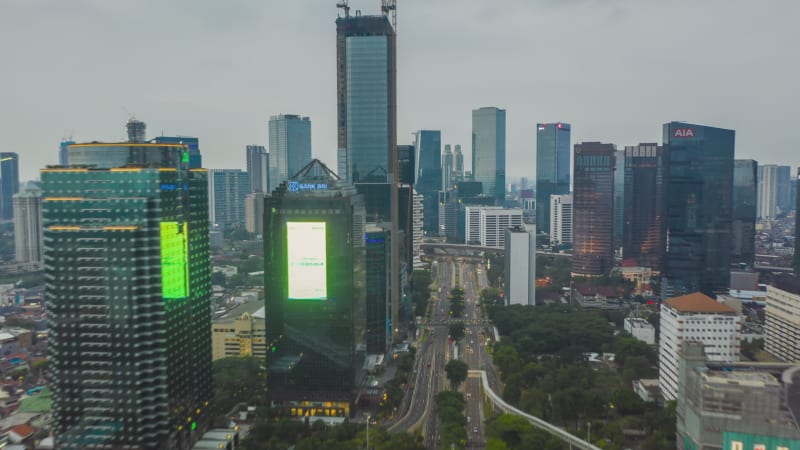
(593, 209)
(447, 168)
(458, 163)
(136, 130)
(289, 147)
(9, 183)
(489, 150)
(28, 238)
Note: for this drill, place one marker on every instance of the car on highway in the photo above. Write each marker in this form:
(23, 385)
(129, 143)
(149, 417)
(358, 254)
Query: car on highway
(475, 429)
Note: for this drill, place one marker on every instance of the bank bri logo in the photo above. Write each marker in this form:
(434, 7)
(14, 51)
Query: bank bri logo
(296, 186)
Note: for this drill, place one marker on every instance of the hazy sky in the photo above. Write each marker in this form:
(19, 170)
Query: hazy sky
(217, 69)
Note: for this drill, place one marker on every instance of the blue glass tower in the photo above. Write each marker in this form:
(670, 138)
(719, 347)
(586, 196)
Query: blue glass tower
(489, 150)
(9, 183)
(289, 147)
(699, 209)
(429, 176)
(552, 168)
(192, 143)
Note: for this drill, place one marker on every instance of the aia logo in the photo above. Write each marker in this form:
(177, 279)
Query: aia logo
(683, 133)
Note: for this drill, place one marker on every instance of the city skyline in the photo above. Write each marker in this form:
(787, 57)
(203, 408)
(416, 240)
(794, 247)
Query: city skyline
(220, 43)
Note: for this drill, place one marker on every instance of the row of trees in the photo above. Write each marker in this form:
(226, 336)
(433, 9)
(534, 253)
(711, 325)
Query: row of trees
(421, 290)
(287, 434)
(457, 302)
(450, 409)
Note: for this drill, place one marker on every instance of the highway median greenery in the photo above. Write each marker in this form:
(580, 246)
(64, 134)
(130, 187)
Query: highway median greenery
(457, 302)
(285, 434)
(456, 371)
(421, 290)
(450, 409)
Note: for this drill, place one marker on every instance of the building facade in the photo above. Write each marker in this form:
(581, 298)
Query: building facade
(128, 298)
(743, 224)
(520, 270)
(782, 327)
(784, 197)
(619, 198)
(767, 203)
(458, 164)
(429, 176)
(289, 147)
(254, 212)
(694, 317)
(593, 209)
(448, 175)
(378, 277)
(240, 337)
(489, 150)
(486, 225)
(192, 143)
(9, 183)
(258, 168)
(561, 219)
(643, 214)
(448, 205)
(63, 158)
(28, 232)
(227, 189)
(552, 168)
(699, 209)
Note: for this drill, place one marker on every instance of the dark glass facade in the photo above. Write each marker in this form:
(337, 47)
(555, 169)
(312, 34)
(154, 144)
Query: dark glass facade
(377, 288)
(192, 143)
(313, 355)
(9, 183)
(552, 168)
(644, 191)
(619, 198)
(593, 209)
(743, 224)
(429, 177)
(489, 150)
(699, 209)
(128, 300)
(405, 160)
(797, 228)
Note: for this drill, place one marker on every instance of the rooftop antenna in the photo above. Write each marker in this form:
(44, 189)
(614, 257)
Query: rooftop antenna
(386, 7)
(344, 5)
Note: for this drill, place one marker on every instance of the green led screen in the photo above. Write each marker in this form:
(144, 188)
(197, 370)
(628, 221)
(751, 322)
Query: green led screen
(174, 267)
(305, 243)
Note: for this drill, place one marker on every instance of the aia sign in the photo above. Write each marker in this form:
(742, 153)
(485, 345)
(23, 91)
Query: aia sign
(683, 133)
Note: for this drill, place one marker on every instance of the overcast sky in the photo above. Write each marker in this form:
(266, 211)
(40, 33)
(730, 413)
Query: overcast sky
(217, 69)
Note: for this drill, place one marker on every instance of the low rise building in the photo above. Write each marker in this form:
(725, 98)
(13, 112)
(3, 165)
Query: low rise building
(641, 330)
(240, 332)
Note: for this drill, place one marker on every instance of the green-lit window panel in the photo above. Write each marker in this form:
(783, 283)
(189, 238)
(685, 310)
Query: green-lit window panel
(174, 267)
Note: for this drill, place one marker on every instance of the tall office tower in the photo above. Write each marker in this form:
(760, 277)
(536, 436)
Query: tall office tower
(458, 163)
(619, 198)
(314, 247)
(743, 225)
(289, 146)
(63, 160)
(429, 176)
(643, 214)
(552, 168)
(783, 198)
(192, 143)
(9, 183)
(28, 236)
(405, 164)
(377, 274)
(561, 219)
(254, 212)
(258, 168)
(416, 224)
(447, 213)
(489, 150)
(128, 296)
(767, 191)
(593, 209)
(447, 169)
(797, 229)
(520, 271)
(227, 189)
(699, 209)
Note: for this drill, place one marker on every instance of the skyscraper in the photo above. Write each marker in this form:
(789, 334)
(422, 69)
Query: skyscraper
(743, 225)
(9, 183)
(458, 163)
(644, 191)
(227, 189)
(289, 146)
(767, 191)
(489, 150)
(406, 165)
(797, 230)
(63, 159)
(258, 168)
(699, 209)
(593, 209)
(447, 169)
(128, 297)
(192, 143)
(314, 247)
(429, 176)
(619, 198)
(783, 199)
(552, 168)
(254, 212)
(378, 335)
(520, 267)
(561, 219)
(28, 237)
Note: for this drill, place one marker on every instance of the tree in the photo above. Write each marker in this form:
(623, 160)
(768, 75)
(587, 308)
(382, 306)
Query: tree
(457, 330)
(626, 401)
(237, 380)
(218, 279)
(456, 371)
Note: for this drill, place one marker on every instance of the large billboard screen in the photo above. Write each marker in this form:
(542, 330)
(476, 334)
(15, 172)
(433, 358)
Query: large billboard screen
(306, 249)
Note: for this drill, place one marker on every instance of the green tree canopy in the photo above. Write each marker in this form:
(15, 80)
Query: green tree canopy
(456, 371)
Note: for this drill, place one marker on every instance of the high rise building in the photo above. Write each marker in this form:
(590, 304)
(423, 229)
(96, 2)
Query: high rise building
(767, 191)
(486, 225)
(137, 130)
(552, 168)
(448, 203)
(254, 213)
(694, 317)
(643, 235)
(797, 230)
(192, 143)
(416, 225)
(593, 209)
(9, 183)
(28, 235)
(377, 262)
(406, 164)
(699, 209)
(314, 247)
(743, 225)
(128, 297)
(783, 199)
(447, 169)
(429, 176)
(227, 189)
(289, 147)
(258, 168)
(782, 317)
(489, 150)
(458, 163)
(619, 198)
(63, 159)
(520, 270)
(561, 219)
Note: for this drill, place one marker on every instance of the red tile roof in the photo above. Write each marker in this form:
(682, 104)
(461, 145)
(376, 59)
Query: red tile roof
(24, 431)
(698, 302)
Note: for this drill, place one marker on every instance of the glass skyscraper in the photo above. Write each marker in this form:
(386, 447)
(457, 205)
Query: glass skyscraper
(489, 150)
(699, 209)
(643, 211)
(429, 176)
(593, 209)
(192, 143)
(289, 146)
(128, 297)
(63, 159)
(258, 167)
(743, 225)
(9, 183)
(448, 175)
(552, 168)
(619, 198)
(227, 190)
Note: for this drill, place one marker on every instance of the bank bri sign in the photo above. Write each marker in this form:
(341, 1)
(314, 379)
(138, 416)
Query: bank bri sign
(296, 186)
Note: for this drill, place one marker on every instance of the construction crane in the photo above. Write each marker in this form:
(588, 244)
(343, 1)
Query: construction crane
(386, 7)
(344, 5)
